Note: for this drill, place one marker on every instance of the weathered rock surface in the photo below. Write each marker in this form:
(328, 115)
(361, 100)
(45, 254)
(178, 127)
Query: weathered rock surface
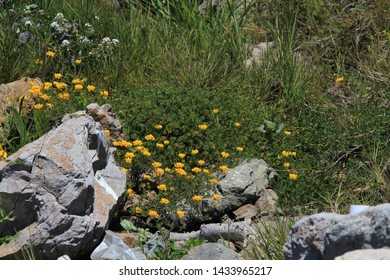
(327, 235)
(257, 53)
(63, 189)
(367, 254)
(211, 251)
(244, 183)
(105, 116)
(113, 248)
(11, 92)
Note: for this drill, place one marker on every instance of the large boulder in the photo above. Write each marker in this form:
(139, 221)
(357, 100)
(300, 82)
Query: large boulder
(10, 94)
(63, 190)
(328, 235)
(212, 251)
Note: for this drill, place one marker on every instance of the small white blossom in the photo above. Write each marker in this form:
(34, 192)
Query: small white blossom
(115, 42)
(59, 16)
(65, 43)
(55, 25)
(87, 25)
(106, 40)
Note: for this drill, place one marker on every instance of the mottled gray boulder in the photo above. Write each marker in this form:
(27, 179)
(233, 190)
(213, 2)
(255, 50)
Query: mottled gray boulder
(63, 189)
(367, 254)
(244, 183)
(211, 251)
(103, 115)
(306, 238)
(327, 235)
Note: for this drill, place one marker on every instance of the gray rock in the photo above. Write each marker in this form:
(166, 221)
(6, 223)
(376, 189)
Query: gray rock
(367, 254)
(266, 204)
(257, 53)
(326, 236)
(154, 245)
(211, 251)
(244, 183)
(246, 212)
(113, 248)
(104, 115)
(64, 188)
(306, 238)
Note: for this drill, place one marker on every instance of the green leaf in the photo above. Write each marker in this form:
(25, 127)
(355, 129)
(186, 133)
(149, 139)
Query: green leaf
(127, 225)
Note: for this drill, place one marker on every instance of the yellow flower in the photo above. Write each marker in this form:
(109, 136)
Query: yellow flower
(159, 172)
(164, 201)
(104, 94)
(156, 164)
(339, 79)
(285, 153)
(201, 162)
(139, 148)
(206, 171)
(39, 62)
(50, 54)
(158, 126)
(57, 76)
(202, 126)
(146, 152)
(47, 85)
(90, 88)
(167, 169)
(182, 155)
(130, 155)
(181, 171)
(293, 176)
(237, 124)
(76, 81)
(78, 87)
(137, 142)
(224, 168)
(149, 137)
(196, 169)
(159, 145)
(166, 142)
(49, 105)
(197, 198)
(138, 210)
(44, 97)
(294, 154)
(179, 165)
(130, 193)
(77, 61)
(214, 181)
(194, 152)
(107, 132)
(225, 154)
(64, 96)
(216, 197)
(162, 187)
(239, 149)
(215, 111)
(124, 169)
(153, 214)
(180, 214)
(146, 176)
(38, 106)
(287, 133)
(286, 164)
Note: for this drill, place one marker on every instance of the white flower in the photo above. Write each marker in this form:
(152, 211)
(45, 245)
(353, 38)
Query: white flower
(55, 25)
(65, 43)
(59, 16)
(84, 40)
(87, 25)
(106, 40)
(115, 42)
(28, 22)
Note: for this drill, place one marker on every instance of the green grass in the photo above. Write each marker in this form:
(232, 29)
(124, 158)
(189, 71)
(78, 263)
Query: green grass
(173, 67)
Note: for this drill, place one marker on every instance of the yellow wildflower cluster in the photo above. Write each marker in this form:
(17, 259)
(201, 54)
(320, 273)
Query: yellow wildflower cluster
(162, 187)
(3, 154)
(153, 214)
(129, 157)
(223, 168)
(288, 154)
(158, 126)
(164, 201)
(180, 214)
(202, 126)
(224, 154)
(201, 162)
(239, 149)
(138, 210)
(216, 197)
(130, 193)
(90, 88)
(57, 75)
(64, 96)
(293, 176)
(287, 133)
(104, 94)
(197, 198)
(50, 54)
(156, 164)
(149, 137)
(181, 171)
(196, 170)
(122, 143)
(158, 172)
